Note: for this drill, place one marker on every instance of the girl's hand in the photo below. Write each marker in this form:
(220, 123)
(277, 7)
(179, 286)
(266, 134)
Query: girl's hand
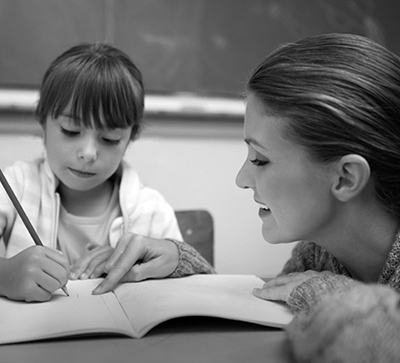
(91, 265)
(137, 258)
(281, 287)
(33, 274)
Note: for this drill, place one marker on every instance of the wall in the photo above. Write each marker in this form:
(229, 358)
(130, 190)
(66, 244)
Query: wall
(194, 165)
(204, 46)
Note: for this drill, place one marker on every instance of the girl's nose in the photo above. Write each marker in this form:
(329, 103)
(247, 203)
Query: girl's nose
(88, 151)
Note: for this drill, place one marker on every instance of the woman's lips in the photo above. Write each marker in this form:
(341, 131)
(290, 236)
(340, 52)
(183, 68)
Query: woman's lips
(264, 210)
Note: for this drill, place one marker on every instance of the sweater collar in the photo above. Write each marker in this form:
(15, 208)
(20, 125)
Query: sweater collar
(391, 272)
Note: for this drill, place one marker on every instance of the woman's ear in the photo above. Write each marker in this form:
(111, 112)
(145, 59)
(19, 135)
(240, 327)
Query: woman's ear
(351, 177)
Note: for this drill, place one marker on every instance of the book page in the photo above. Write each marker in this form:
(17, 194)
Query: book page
(151, 302)
(80, 313)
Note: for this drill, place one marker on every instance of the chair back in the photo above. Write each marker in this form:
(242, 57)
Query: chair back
(197, 228)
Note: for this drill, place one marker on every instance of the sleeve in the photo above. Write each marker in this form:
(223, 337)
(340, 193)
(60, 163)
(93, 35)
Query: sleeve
(316, 289)
(150, 216)
(190, 261)
(350, 323)
(145, 210)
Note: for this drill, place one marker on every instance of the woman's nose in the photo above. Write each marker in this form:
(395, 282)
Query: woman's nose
(88, 151)
(242, 178)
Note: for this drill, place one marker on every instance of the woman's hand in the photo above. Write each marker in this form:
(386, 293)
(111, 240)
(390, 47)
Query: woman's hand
(91, 265)
(281, 287)
(33, 274)
(136, 258)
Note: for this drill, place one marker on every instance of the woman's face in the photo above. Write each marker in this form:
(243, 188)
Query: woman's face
(293, 191)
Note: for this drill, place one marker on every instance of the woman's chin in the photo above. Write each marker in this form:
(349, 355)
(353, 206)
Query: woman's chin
(274, 239)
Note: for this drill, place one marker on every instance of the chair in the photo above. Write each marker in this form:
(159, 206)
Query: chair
(197, 228)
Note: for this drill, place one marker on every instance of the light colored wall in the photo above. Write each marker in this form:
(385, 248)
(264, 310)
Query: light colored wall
(194, 166)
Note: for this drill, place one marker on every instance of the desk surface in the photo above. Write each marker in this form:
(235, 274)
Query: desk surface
(184, 340)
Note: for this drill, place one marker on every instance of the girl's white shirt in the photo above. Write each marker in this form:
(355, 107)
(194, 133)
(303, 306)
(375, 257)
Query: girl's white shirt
(144, 210)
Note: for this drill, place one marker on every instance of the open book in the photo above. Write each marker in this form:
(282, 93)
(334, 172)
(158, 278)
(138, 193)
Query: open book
(135, 308)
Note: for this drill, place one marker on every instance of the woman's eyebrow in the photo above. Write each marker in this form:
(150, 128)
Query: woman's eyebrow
(251, 141)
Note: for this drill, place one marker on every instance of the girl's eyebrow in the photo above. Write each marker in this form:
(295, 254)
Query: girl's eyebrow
(68, 115)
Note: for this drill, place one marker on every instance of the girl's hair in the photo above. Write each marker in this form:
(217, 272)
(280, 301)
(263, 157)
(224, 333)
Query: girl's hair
(98, 83)
(338, 94)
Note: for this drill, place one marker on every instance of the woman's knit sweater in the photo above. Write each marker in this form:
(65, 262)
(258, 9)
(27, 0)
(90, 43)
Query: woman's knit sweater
(310, 256)
(342, 320)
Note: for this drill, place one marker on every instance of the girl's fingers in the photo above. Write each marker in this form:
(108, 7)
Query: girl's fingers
(50, 282)
(57, 275)
(58, 257)
(80, 266)
(97, 263)
(85, 266)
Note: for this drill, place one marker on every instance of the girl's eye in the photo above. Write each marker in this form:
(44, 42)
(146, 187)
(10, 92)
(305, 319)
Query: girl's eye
(111, 141)
(70, 133)
(258, 162)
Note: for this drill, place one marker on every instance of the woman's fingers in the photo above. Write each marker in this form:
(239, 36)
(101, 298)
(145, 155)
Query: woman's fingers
(281, 287)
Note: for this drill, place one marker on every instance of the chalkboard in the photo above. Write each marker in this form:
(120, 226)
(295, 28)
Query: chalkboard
(200, 46)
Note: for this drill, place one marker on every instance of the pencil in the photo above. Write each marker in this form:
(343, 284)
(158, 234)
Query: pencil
(23, 215)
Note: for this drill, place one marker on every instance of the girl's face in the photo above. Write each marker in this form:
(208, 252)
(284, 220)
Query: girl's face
(83, 158)
(293, 191)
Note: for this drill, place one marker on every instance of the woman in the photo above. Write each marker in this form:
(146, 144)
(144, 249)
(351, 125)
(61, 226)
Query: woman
(322, 127)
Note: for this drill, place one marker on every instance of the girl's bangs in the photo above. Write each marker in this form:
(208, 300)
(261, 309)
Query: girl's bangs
(98, 103)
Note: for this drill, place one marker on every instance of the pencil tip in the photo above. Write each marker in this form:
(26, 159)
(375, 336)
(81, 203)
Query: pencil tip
(64, 288)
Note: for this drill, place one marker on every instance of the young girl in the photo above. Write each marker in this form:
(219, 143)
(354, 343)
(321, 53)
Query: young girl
(322, 127)
(81, 197)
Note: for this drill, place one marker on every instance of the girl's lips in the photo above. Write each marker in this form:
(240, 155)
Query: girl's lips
(81, 174)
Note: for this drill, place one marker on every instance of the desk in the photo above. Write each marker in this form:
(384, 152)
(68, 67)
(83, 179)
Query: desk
(184, 340)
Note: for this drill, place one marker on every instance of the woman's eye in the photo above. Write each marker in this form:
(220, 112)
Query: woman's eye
(69, 132)
(258, 162)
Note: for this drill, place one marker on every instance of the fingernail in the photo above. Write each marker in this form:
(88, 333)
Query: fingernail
(97, 290)
(90, 246)
(73, 276)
